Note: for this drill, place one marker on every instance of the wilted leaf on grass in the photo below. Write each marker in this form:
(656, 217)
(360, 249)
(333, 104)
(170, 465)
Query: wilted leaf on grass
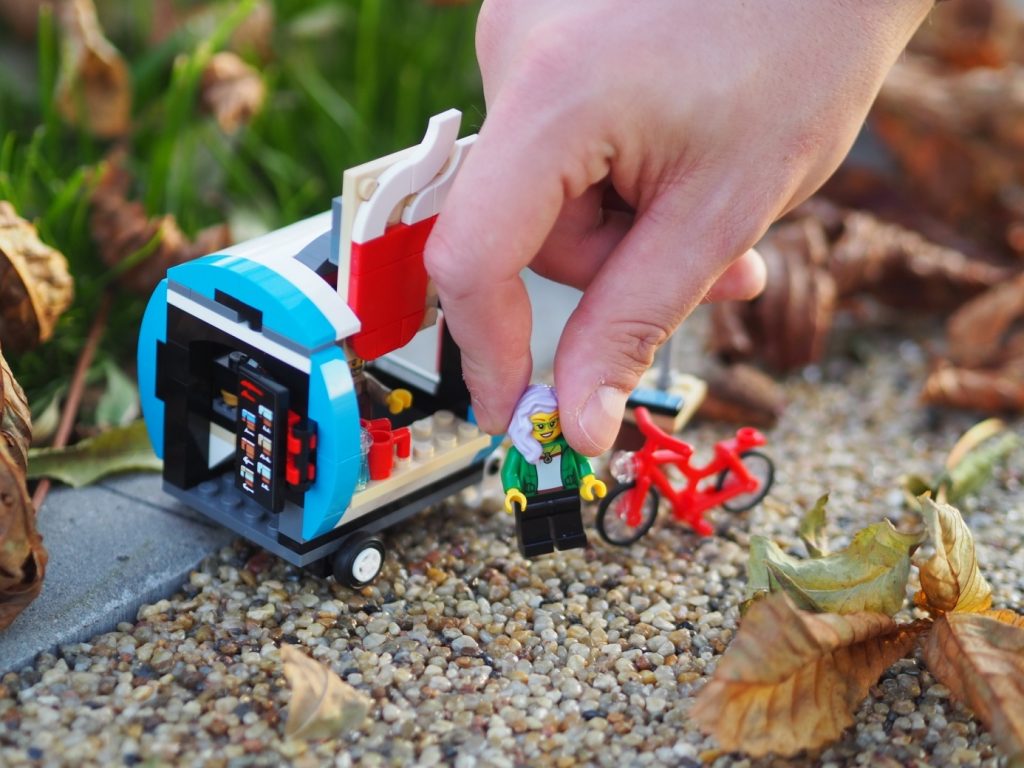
(232, 91)
(46, 415)
(951, 579)
(22, 555)
(119, 403)
(35, 287)
(94, 90)
(322, 704)
(22, 16)
(812, 528)
(122, 449)
(791, 680)
(869, 575)
(138, 248)
(981, 660)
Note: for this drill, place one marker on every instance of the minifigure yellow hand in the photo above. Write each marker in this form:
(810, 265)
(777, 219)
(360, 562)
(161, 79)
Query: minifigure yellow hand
(514, 496)
(398, 400)
(591, 487)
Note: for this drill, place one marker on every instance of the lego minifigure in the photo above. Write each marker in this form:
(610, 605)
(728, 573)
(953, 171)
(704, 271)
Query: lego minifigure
(370, 391)
(544, 478)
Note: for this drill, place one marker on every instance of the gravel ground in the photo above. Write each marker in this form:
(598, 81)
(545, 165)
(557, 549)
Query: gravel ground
(474, 656)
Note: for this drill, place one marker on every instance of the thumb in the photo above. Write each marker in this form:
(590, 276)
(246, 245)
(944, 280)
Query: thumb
(500, 210)
(660, 271)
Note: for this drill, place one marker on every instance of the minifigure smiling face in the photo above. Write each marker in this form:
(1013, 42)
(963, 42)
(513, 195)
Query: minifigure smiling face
(546, 427)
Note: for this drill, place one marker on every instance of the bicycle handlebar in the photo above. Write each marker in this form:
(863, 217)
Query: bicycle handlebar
(657, 436)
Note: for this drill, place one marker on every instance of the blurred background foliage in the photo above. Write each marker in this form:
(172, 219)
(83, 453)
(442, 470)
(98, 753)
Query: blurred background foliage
(344, 81)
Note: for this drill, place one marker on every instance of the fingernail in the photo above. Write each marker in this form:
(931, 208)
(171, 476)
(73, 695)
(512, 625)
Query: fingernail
(601, 416)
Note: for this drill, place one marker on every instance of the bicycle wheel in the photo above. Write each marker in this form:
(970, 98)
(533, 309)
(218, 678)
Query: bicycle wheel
(612, 512)
(758, 465)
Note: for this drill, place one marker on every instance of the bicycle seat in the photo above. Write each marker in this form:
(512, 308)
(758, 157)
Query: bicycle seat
(657, 436)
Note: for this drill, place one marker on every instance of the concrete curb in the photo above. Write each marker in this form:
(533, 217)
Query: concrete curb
(113, 547)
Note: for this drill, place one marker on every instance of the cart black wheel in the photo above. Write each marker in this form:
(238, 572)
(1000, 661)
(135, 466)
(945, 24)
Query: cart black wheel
(358, 561)
(611, 515)
(758, 465)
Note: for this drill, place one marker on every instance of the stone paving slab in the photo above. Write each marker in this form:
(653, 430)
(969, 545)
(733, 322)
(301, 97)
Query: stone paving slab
(113, 547)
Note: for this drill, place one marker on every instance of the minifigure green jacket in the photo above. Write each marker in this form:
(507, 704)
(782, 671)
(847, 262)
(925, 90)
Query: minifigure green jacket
(518, 473)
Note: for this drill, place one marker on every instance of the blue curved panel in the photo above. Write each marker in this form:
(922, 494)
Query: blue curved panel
(285, 309)
(333, 406)
(153, 330)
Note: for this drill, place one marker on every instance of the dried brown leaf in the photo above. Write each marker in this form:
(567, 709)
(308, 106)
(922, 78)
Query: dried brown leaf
(787, 326)
(254, 36)
(742, 394)
(22, 16)
(22, 555)
(825, 253)
(791, 680)
(950, 579)
(322, 704)
(122, 230)
(256, 33)
(901, 268)
(1005, 616)
(971, 33)
(958, 142)
(990, 391)
(94, 90)
(232, 91)
(35, 287)
(979, 330)
(981, 660)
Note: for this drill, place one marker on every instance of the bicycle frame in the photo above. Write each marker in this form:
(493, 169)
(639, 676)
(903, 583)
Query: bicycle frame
(690, 501)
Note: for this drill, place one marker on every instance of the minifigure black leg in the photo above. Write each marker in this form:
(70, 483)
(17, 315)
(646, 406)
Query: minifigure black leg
(567, 527)
(533, 534)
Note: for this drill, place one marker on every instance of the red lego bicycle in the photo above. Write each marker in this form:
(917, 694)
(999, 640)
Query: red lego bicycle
(741, 478)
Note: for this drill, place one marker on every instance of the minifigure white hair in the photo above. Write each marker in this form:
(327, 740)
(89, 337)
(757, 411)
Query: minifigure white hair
(538, 398)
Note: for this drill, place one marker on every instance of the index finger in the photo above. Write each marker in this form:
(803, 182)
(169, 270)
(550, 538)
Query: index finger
(499, 212)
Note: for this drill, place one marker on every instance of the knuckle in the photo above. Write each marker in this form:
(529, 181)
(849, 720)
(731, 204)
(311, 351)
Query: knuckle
(551, 61)
(445, 267)
(634, 344)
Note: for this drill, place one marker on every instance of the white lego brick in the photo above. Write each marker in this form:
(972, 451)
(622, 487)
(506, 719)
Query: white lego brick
(429, 200)
(441, 445)
(277, 250)
(240, 331)
(221, 445)
(290, 239)
(319, 291)
(407, 176)
(357, 182)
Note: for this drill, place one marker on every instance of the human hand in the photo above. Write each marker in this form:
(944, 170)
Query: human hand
(638, 152)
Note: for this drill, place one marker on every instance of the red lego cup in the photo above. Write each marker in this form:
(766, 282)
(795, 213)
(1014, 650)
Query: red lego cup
(403, 442)
(382, 454)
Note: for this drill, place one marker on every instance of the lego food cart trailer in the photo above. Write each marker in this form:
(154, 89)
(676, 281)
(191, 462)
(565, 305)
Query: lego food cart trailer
(250, 370)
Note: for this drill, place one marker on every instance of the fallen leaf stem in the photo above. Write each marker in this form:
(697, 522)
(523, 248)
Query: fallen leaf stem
(69, 413)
